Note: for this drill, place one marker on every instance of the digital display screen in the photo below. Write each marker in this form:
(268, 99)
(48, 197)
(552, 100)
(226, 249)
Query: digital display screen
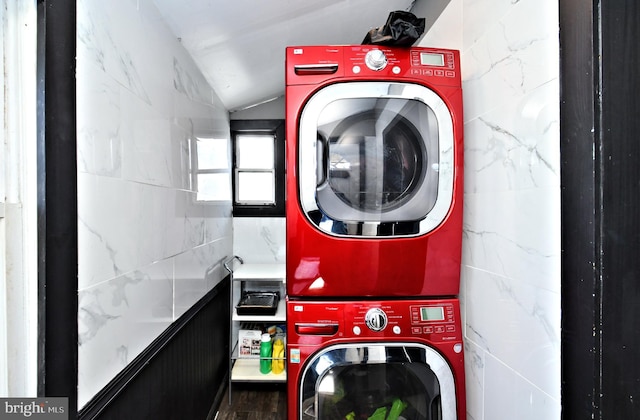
(431, 59)
(432, 313)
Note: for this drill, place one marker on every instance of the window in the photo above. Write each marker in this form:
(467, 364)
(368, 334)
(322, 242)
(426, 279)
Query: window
(258, 167)
(212, 169)
(255, 169)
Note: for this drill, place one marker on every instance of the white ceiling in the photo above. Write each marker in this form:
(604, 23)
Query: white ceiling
(239, 45)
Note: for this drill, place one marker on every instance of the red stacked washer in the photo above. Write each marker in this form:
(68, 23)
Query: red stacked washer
(374, 222)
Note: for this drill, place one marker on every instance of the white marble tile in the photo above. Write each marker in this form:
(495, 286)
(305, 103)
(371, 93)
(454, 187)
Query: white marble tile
(148, 250)
(182, 173)
(191, 84)
(509, 396)
(124, 225)
(105, 229)
(480, 15)
(99, 137)
(119, 318)
(515, 235)
(511, 58)
(197, 271)
(474, 380)
(218, 223)
(121, 226)
(185, 226)
(511, 246)
(105, 31)
(473, 357)
(516, 146)
(149, 152)
(260, 239)
(446, 31)
(518, 324)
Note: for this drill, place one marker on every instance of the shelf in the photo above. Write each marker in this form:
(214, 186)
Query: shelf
(251, 277)
(256, 272)
(279, 316)
(248, 370)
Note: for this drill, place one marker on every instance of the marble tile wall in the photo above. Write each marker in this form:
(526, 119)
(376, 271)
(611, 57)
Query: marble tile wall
(511, 247)
(148, 249)
(260, 240)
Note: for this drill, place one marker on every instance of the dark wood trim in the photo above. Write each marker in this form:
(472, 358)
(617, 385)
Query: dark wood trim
(581, 282)
(600, 121)
(620, 186)
(57, 201)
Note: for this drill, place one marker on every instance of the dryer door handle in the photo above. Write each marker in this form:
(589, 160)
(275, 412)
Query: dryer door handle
(315, 69)
(316, 329)
(322, 156)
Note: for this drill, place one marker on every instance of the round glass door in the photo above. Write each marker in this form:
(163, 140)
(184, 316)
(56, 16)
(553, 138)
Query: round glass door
(408, 382)
(372, 169)
(375, 159)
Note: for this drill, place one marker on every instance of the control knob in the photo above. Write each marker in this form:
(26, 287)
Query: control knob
(375, 60)
(376, 319)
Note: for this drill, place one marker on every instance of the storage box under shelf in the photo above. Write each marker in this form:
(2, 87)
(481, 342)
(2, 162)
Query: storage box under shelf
(249, 343)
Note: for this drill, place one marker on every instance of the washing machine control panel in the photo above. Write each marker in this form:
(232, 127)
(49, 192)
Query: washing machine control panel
(436, 320)
(438, 65)
(376, 319)
(433, 319)
(375, 60)
(320, 63)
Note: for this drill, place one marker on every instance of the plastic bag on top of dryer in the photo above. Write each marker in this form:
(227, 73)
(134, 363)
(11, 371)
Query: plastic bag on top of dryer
(402, 29)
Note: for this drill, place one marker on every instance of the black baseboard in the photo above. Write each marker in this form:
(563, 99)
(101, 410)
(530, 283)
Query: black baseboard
(181, 375)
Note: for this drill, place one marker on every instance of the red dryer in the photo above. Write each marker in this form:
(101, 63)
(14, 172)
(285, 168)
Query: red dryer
(374, 171)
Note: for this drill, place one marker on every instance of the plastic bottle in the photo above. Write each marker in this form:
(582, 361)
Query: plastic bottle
(265, 353)
(277, 365)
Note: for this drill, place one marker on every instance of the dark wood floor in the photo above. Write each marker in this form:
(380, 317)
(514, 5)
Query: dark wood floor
(254, 401)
